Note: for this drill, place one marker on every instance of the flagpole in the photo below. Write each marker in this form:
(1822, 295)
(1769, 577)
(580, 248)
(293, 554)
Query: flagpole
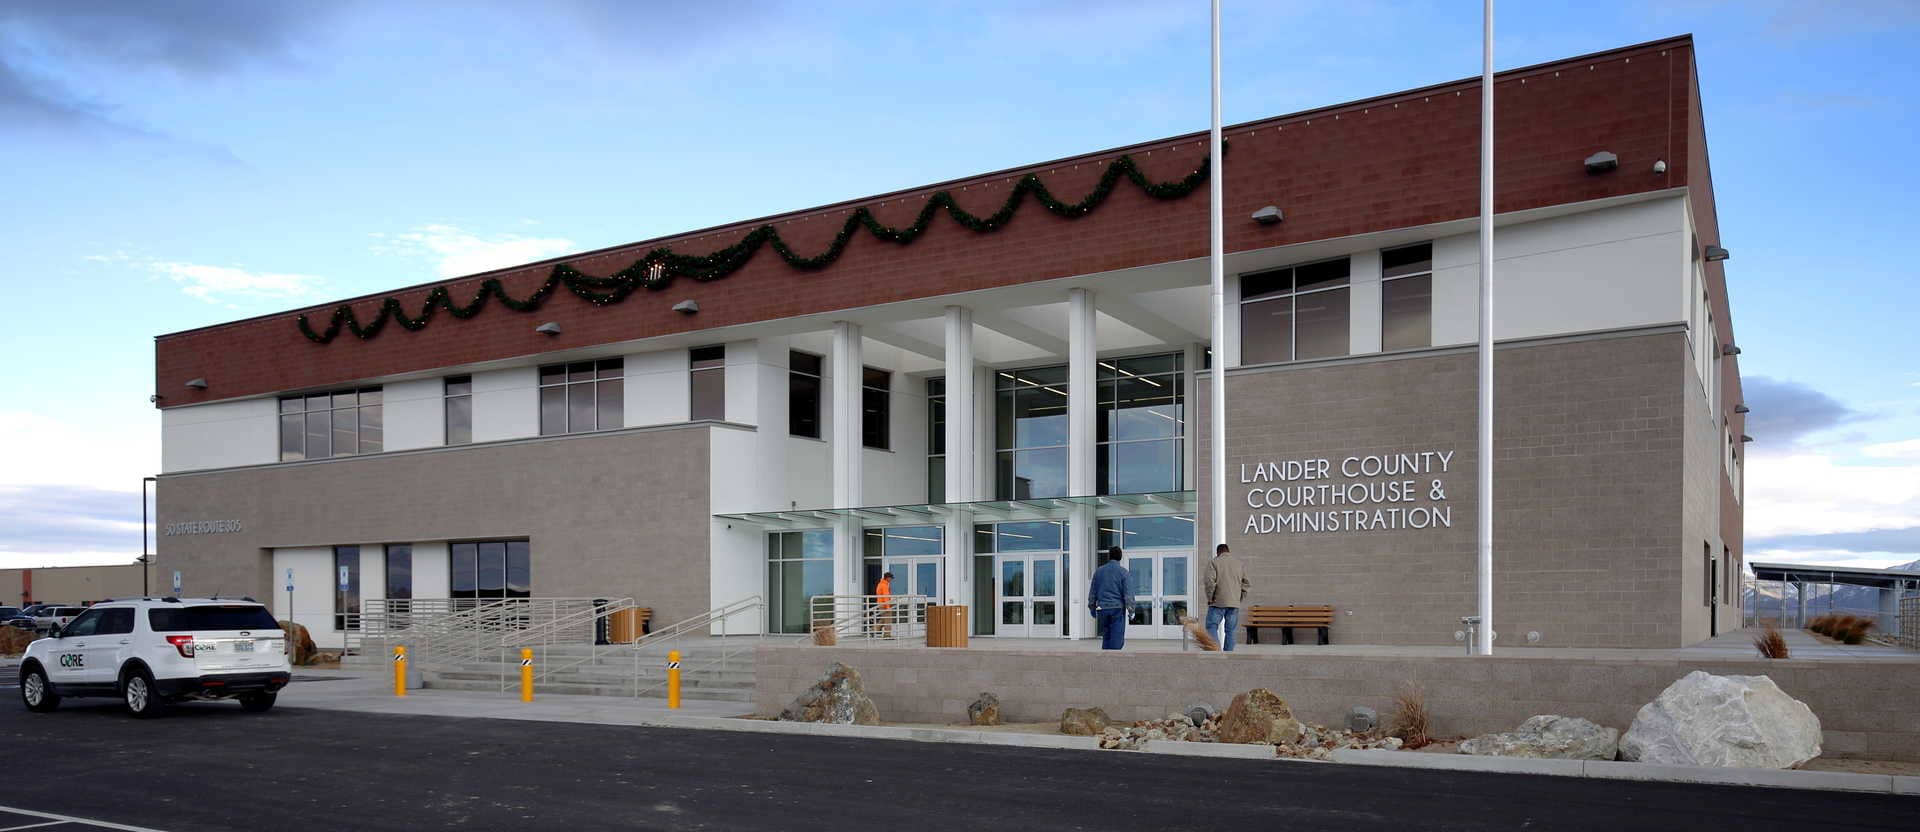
(1216, 266)
(1483, 634)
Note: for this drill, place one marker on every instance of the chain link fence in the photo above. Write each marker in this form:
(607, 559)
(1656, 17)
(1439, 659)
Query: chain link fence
(1910, 622)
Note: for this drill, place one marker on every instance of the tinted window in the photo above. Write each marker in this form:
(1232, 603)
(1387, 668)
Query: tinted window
(222, 617)
(115, 621)
(83, 625)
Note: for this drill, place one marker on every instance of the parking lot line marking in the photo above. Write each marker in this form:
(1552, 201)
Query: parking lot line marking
(58, 818)
(33, 826)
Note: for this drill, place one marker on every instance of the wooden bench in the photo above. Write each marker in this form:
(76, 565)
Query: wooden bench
(1286, 618)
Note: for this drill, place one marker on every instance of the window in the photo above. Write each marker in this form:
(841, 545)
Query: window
(115, 621)
(1406, 297)
(1030, 433)
(876, 408)
(582, 396)
(799, 567)
(346, 588)
(1142, 424)
(211, 617)
(321, 425)
(1173, 531)
(84, 624)
(491, 569)
(708, 377)
(459, 409)
(1295, 314)
(399, 570)
(1706, 572)
(936, 440)
(803, 394)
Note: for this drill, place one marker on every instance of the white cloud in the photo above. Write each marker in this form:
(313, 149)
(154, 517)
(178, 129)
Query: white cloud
(456, 252)
(217, 284)
(1903, 449)
(1811, 493)
(107, 450)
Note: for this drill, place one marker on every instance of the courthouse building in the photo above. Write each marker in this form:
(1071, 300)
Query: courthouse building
(980, 383)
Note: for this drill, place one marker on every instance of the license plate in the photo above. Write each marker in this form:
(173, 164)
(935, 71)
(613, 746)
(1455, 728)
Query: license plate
(243, 647)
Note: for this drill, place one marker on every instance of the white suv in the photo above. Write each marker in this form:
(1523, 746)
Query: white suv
(152, 651)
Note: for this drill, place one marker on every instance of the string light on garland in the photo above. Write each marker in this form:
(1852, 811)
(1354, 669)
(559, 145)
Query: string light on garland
(659, 267)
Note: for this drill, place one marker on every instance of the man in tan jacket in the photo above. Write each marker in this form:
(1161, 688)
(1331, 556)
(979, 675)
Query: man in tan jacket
(1227, 589)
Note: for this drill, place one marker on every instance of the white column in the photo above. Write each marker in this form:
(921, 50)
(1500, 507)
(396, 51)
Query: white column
(845, 378)
(1082, 352)
(961, 470)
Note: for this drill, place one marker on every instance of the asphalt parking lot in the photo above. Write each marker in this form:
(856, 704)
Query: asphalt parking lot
(209, 766)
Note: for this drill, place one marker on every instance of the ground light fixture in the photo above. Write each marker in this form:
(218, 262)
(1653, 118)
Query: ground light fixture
(1602, 162)
(1716, 254)
(197, 383)
(1269, 215)
(548, 328)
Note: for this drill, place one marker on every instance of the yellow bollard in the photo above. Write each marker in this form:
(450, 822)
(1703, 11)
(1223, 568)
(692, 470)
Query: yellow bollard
(400, 670)
(673, 679)
(526, 674)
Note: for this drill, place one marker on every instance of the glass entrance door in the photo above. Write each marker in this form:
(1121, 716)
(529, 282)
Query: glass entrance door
(1027, 595)
(1162, 581)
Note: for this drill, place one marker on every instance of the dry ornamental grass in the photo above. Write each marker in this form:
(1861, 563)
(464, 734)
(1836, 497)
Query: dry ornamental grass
(1771, 644)
(1411, 721)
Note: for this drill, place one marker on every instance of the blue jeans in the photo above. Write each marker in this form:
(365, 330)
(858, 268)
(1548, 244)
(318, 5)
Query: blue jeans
(1113, 628)
(1231, 615)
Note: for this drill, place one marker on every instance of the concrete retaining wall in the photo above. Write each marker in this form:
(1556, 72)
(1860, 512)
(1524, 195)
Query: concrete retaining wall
(1864, 707)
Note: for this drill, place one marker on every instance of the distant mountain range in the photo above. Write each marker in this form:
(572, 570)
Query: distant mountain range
(1764, 596)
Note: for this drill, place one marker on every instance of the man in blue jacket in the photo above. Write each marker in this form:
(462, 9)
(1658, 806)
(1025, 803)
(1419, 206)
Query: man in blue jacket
(1111, 596)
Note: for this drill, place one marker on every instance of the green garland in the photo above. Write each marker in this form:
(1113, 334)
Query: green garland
(658, 268)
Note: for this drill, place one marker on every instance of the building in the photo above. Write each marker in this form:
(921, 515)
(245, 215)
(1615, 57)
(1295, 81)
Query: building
(977, 401)
(73, 584)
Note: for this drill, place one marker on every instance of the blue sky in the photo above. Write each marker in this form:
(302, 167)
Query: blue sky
(172, 165)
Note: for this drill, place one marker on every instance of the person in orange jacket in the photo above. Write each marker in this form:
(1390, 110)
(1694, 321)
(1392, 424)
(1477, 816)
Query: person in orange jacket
(884, 591)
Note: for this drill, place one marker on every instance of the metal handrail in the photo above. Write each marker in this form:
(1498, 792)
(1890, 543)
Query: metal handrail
(702, 622)
(555, 632)
(729, 648)
(872, 617)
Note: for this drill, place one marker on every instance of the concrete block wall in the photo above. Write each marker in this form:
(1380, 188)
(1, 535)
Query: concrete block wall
(1864, 707)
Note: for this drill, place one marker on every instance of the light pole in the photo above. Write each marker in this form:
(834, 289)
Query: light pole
(1216, 266)
(146, 560)
(1483, 583)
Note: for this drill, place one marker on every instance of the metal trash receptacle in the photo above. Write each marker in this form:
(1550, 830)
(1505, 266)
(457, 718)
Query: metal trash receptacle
(946, 625)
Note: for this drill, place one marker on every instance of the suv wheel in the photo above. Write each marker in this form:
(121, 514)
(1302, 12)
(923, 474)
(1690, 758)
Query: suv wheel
(36, 692)
(258, 702)
(137, 690)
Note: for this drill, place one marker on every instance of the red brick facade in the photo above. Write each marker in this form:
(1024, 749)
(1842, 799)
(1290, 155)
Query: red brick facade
(1395, 161)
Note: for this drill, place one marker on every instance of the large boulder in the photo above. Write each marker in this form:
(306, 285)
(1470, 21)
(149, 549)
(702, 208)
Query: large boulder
(1259, 716)
(838, 698)
(985, 710)
(300, 647)
(1550, 737)
(1727, 721)
(1084, 722)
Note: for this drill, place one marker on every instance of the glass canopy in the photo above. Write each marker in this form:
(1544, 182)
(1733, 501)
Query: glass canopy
(1039, 508)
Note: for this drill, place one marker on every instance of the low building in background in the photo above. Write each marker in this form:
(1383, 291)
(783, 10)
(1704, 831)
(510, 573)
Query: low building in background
(74, 584)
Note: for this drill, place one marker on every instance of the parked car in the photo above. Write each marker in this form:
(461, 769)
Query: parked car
(51, 618)
(149, 652)
(8, 614)
(21, 618)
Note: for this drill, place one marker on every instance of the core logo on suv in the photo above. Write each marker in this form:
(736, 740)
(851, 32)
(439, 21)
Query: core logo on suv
(153, 651)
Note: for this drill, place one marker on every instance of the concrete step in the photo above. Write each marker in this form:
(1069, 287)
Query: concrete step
(609, 680)
(740, 695)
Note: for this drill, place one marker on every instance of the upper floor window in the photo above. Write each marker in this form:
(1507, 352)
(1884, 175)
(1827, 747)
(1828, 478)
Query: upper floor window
(459, 409)
(1296, 313)
(321, 425)
(1030, 433)
(936, 440)
(707, 377)
(876, 408)
(1142, 424)
(582, 396)
(1406, 297)
(803, 394)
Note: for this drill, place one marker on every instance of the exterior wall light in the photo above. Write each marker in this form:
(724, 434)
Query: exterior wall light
(1741, 408)
(197, 384)
(1602, 162)
(1729, 349)
(549, 328)
(687, 307)
(1716, 254)
(1745, 438)
(1268, 215)
(1660, 166)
